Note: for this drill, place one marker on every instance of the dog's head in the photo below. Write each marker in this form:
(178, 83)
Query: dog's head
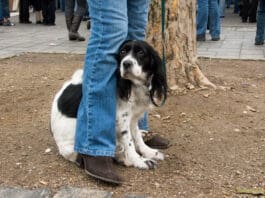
(140, 64)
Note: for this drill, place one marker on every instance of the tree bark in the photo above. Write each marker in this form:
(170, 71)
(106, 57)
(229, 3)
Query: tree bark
(180, 42)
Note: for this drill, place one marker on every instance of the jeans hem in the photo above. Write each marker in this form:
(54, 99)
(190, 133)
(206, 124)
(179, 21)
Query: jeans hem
(108, 153)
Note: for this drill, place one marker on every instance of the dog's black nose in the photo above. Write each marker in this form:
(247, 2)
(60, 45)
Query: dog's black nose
(127, 64)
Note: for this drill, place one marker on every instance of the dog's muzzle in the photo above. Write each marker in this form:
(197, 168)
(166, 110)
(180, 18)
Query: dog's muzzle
(127, 65)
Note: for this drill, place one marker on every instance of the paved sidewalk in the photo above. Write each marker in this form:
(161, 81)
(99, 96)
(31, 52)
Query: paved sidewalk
(23, 38)
(237, 39)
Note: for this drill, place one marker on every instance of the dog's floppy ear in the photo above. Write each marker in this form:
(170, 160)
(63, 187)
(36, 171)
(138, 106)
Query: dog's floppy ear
(158, 92)
(124, 87)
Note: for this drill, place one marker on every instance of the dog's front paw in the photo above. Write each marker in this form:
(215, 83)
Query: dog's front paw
(158, 156)
(144, 163)
(153, 154)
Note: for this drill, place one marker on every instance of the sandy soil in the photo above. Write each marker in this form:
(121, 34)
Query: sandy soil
(218, 137)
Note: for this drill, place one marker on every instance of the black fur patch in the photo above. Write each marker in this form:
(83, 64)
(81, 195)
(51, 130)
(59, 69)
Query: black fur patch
(69, 101)
(124, 132)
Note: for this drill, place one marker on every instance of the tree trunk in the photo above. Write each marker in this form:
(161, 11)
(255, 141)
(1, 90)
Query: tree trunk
(180, 42)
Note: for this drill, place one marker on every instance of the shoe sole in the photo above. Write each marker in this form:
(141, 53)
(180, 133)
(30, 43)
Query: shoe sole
(103, 178)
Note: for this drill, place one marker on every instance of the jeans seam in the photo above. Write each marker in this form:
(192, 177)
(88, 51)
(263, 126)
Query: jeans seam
(90, 85)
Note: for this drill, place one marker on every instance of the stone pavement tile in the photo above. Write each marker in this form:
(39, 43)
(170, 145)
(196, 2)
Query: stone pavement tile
(135, 196)
(71, 192)
(252, 57)
(252, 52)
(233, 36)
(211, 44)
(227, 55)
(227, 51)
(207, 54)
(251, 46)
(7, 192)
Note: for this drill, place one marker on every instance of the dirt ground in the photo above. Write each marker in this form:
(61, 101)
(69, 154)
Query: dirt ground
(218, 136)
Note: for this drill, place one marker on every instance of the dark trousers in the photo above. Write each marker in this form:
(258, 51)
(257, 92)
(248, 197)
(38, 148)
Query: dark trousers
(24, 10)
(249, 10)
(70, 5)
(48, 11)
(37, 5)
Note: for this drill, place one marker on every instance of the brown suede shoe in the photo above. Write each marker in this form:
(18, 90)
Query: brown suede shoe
(99, 167)
(155, 141)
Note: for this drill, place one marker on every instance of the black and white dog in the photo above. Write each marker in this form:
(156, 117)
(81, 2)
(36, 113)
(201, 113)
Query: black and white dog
(141, 84)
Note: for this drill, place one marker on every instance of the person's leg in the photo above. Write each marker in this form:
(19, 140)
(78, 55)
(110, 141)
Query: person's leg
(228, 3)
(96, 120)
(38, 11)
(244, 12)
(44, 11)
(48, 12)
(69, 13)
(1, 12)
(260, 33)
(81, 8)
(215, 26)
(5, 9)
(52, 12)
(137, 19)
(222, 8)
(253, 11)
(77, 18)
(202, 18)
(6, 14)
(24, 11)
(236, 8)
(69, 8)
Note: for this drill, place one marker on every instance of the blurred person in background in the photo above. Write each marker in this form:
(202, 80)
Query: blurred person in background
(5, 13)
(74, 17)
(260, 33)
(48, 12)
(24, 11)
(38, 11)
(208, 12)
(249, 11)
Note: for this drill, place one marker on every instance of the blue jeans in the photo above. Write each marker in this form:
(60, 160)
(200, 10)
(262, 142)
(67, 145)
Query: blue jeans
(112, 22)
(208, 8)
(236, 8)
(222, 8)
(228, 3)
(4, 9)
(260, 33)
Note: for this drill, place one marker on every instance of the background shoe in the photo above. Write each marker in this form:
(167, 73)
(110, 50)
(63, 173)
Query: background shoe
(73, 33)
(8, 23)
(201, 37)
(216, 39)
(155, 141)
(259, 43)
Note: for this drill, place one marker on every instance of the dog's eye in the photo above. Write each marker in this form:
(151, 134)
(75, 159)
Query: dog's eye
(123, 52)
(140, 53)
